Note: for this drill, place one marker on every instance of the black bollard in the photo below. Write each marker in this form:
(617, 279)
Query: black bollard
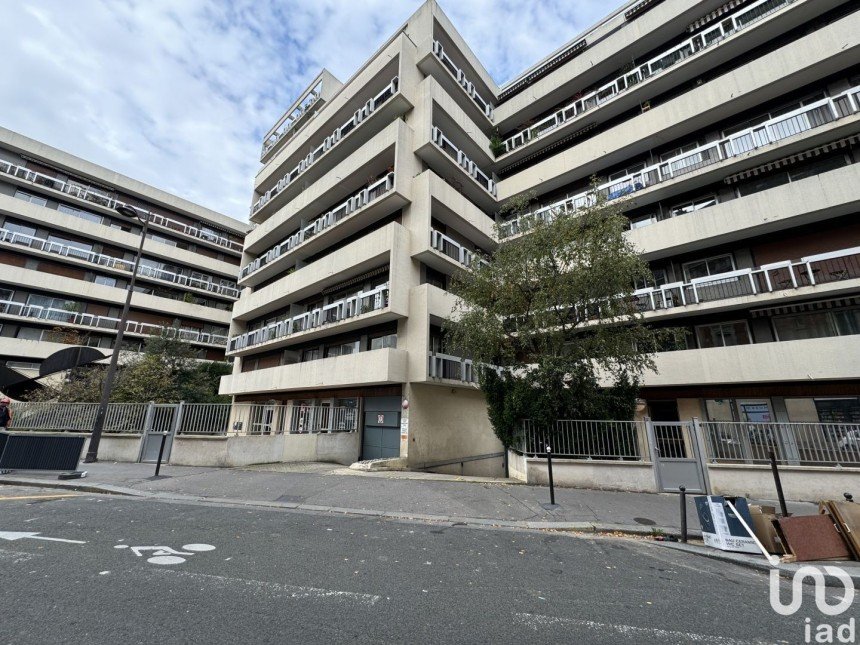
(776, 480)
(160, 453)
(683, 490)
(549, 470)
(848, 497)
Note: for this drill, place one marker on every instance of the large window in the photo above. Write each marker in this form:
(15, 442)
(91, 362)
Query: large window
(817, 324)
(15, 227)
(693, 205)
(381, 342)
(708, 266)
(77, 212)
(33, 199)
(342, 349)
(723, 334)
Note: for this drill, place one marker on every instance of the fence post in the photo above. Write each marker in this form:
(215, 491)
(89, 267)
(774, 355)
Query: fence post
(655, 454)
(701, 448)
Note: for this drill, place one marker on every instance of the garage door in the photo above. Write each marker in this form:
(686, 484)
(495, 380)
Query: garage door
(381, 433)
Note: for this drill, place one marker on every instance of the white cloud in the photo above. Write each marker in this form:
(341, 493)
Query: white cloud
(179, 94)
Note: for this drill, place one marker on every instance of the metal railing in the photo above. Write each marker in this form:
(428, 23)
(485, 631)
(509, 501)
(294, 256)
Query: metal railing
(822, 268)
(451, 248)
(328, 143)
(460, 77)
(471, 168)
(357, 304)
(607, 92)
(321, 223)
(78, 417)
(615, 440)
(107, 323)
(105, 200)
(111, 262)
(454, 368)
(770, 132)
(804, 444)
(285, 123)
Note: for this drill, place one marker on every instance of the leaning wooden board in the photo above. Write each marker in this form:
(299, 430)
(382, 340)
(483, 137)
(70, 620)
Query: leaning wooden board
(847, 516)
(812, 537)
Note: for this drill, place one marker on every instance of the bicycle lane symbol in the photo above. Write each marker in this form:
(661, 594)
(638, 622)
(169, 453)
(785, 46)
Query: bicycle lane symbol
(164, 554)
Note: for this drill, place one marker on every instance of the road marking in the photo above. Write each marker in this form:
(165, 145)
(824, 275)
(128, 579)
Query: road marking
(41, 496)
(17, 556)
(268, 588)
(631, 632)
(166, 555)
(12, 535)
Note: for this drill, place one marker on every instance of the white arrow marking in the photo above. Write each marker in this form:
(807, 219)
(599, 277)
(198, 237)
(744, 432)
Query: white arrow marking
(11, 535)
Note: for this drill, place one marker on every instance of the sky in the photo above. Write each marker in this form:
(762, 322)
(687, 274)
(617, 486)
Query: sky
(179, 93)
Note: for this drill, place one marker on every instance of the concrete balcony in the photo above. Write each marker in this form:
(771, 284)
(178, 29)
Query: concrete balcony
(825, 196)
(443, 154)
(768, 77)
(354, 214)
(819, 359)
(376, 367)
(96, 197)
(44, 248)
(374, 158)
(443, 368)
(804, 126)
(386, 246)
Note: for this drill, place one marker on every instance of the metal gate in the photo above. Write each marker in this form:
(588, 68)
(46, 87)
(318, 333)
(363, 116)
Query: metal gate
(381, 432)
(160, 418)
(678, 455)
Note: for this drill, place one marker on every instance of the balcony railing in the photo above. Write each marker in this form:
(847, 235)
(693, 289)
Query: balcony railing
(101, 198)
(360, 303)
(110, 262)
(822, 268)
(107, 323)
(285, 125)
(453, 368)
(328, 143)
(471, 168)
(707, 38)
(772, 131)
(451, 248)
(320, 224)
(460, 77)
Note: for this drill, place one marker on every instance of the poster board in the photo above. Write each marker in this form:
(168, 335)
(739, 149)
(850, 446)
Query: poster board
(721, 528)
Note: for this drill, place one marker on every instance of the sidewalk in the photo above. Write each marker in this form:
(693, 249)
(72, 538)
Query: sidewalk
(444, 498)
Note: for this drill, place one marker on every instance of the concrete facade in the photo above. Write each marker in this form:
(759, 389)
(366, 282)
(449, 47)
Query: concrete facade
(732, 144)
(66, 257)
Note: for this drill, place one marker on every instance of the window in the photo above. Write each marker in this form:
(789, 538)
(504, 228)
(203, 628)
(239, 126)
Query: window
(817, 324)
(311, 354)
(723, 334)
(642, 220)
(679, 151)
(693, 206)
(76, 212)
(6, 295)
(77, 249)
(342, 349)
(381, 342)
(29, 333)
(15, 227)
(627, 171)
(708, 266)
(33, 199)
(161, 238)
(105, 280)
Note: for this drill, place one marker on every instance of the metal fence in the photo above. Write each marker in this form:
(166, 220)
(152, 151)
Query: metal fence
(803, 444)
(78, 417)
(578, 439)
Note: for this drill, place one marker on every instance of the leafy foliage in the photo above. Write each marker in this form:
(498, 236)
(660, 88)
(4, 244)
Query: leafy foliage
(550, 318)
(497, 146)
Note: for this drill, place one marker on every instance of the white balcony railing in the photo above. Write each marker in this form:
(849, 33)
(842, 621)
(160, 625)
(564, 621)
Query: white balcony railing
(328, 143)
(821, 268)
(453, 368)
(286, 123)
(110, 262)
(451, 248)
(359, 303)
(107, 323)
(781, 127)
(471, 168)
(707, 38)
(460, 77)
(99, 197)
(321, 223)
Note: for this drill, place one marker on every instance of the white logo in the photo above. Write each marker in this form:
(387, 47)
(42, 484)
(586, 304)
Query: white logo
(820, 588)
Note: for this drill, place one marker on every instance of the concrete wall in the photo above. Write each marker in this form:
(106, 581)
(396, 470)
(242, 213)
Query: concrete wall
(599, 475)
(807, 484)
(448, 423)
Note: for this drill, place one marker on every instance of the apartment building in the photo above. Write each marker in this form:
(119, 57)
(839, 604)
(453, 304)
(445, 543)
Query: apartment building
(66, 257)
(729, 132)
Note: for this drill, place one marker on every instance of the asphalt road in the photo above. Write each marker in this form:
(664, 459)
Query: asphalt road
(290, 577)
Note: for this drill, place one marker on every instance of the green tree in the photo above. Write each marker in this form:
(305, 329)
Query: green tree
(550, 321)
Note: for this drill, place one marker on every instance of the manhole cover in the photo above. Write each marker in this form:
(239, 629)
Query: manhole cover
(645, 521)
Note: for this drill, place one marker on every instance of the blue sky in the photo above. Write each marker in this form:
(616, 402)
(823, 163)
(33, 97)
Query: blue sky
(178, 93)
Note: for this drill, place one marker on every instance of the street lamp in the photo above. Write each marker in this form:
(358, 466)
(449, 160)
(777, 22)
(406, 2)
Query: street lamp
(93, 451)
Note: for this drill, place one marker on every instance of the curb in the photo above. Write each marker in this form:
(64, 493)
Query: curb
(476, 522)
(786, 570)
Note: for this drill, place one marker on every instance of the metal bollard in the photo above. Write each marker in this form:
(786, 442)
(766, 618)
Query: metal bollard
(779, 493)
(848, 497)
(683, 490)
(549, 471)
(161, 452)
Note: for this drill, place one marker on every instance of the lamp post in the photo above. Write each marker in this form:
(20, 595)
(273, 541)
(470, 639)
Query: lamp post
(98, 425)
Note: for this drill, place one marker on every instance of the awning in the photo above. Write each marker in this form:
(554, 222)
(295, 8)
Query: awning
(792, 159)
(835, 303)
(716, 13)
(545, 149)
(639, 8)
(356, 280)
